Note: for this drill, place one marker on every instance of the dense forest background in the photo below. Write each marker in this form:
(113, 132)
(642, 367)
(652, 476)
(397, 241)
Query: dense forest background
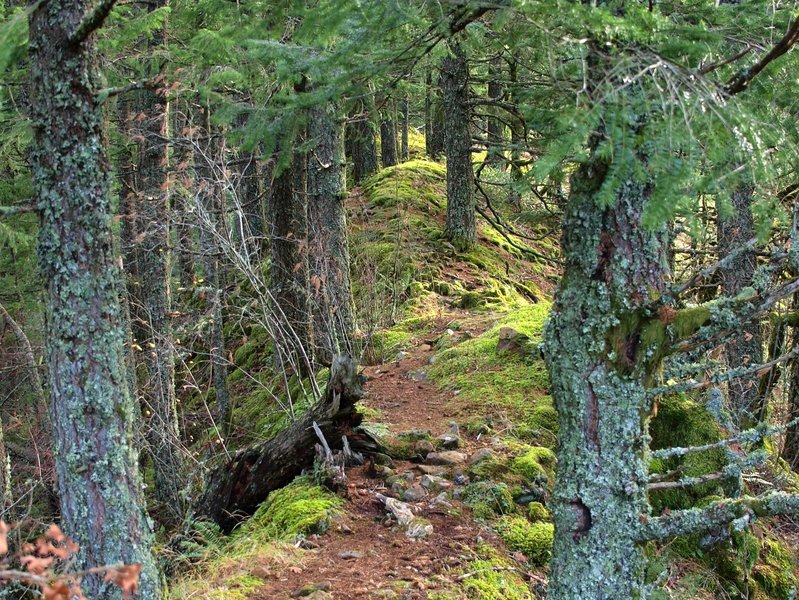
(399, 299)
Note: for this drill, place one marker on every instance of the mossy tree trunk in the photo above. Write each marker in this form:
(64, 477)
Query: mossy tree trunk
(461, 227)
(211, 207)
(361, 143)
(185, 246)
(746, 347)
(388, 136)
(331, 294)
(102, 507)
(790, 449)
(287, 222)
(614, 266)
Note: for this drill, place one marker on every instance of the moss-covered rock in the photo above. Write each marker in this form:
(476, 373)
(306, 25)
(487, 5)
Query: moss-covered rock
(487, 499)
(493, 578)
(534, 540)
(537, 512)
(776, 572)
(535, 465)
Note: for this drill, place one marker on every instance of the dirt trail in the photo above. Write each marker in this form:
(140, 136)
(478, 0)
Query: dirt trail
(366, 555)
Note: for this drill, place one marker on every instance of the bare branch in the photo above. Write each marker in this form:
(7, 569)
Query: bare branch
(91, 21)
(149, 84)
(742, 79)
(21, 209)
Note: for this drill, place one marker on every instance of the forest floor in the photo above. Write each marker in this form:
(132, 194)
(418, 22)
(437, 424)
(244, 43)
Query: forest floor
(365, 554)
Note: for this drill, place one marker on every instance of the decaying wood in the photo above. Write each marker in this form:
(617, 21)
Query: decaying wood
(235, 489)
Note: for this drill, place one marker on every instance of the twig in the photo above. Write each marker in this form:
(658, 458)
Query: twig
(21, 209)
(741, 80)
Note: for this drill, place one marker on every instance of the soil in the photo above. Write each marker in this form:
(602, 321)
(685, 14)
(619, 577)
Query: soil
(365, 554)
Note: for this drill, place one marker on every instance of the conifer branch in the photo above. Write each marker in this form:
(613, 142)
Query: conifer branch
(738, 512)
(741, 80)
(91, 21)
(147, 84)
(21, 209)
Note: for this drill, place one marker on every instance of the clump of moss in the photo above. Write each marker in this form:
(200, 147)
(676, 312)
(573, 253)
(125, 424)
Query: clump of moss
(535, 465)
(537, 512)
(300, 508)
(487, 498)
(775, 574)
(534, 540)
(682, 422)
(493, 578)
(509, 386)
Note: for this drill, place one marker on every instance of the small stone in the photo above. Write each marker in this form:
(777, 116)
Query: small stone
(425, 347)
(418, 375)
(351, 555)
(308, 591)
(418, 528)
(481, 455)
(409, 476)
(432, 470)
(382, 459)
(424, 447)
(398, 487)
(401, 356)
(449, 441)
(513, 342)
(460, 479)
(441, 502)
(414, 493)
(447, 457)
(434, 484)
(432, 360)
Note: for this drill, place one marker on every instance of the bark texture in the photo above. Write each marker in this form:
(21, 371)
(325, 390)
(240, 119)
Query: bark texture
(388, 137)
(361, 144)
(461, 227)
(102, 507)
(235, 489)
(287, 213)
(495, 126)
(746, 347)
(331, 294)
(599, 368)
(404, 151)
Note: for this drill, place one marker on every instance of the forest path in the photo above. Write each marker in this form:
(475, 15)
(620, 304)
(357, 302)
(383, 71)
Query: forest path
(366, 555)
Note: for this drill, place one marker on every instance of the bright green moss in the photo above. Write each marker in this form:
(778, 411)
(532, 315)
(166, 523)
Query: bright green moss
(776, 572)
(535, 464)
(297, 509)
(682, 422)
(492, 577)
(487, 498)
(537, 512)
(534, 540)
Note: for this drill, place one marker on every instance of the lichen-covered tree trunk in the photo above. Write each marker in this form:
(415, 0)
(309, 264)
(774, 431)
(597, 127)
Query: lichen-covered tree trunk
(388, 137)
(210, 205)
(182, 187)
(746, 347)
(287, 221)
(361, 144)
(598, 363)
(790, 449)
(461, 227)
(331, 294)
(102, 507)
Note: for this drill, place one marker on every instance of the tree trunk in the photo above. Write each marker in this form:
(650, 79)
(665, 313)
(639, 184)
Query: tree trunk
(790, 449)
(516, 138)
(599, 370)
(102, 507)
(388, 137)
(289, 279)
(461, 227)
(235, 489)
(210, 206)
(428, 113)
(154, 294)
(361, 142)
(182, 194)
(747, 346)
(331, 295)
(405, 127)
(495, 126)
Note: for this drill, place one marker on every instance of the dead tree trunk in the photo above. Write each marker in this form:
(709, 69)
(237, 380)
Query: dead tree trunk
(235, 489)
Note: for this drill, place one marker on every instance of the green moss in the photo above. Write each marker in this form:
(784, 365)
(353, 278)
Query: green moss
(505, 386)
(537, 512)
(493, 578)
(776, 573)
(487, 498)
(534, 540)
(300, 508)
(682, 422)
(535, 464)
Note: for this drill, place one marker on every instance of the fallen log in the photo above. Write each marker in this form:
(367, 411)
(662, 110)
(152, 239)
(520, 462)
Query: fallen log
(235, 489)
